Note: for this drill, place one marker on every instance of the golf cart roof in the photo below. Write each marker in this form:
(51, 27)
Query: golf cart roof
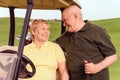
(39, 4)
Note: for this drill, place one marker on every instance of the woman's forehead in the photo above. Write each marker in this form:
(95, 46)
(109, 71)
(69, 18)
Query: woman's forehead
(43, 25)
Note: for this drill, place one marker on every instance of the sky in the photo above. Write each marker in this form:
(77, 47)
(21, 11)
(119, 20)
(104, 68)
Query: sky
(91, 10)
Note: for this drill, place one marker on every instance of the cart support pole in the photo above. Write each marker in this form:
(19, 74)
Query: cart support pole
(12, 27)
(23, 36)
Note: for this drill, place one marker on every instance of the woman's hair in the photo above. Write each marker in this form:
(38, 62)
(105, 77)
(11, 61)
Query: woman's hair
(35, 24)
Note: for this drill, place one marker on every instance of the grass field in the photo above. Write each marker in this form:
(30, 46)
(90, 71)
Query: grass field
(111, 25)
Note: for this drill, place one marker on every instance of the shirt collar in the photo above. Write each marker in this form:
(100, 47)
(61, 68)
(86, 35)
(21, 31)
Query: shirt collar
(86, 26)
(32, 45)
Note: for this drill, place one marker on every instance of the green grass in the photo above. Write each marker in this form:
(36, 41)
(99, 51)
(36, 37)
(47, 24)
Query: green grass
(55, 30)
(111, 25)
(4, 32)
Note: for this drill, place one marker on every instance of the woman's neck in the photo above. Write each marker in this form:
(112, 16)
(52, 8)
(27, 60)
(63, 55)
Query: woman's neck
(39, 43)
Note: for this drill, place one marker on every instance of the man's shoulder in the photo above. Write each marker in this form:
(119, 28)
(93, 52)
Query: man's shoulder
(96, 27)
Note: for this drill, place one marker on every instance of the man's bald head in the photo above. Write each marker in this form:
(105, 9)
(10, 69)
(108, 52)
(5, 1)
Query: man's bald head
(72, 9)
(72, 18)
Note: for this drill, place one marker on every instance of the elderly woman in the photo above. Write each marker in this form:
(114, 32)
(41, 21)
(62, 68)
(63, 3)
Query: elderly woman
(47, 56)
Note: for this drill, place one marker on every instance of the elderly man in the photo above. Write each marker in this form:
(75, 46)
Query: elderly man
(88, 46)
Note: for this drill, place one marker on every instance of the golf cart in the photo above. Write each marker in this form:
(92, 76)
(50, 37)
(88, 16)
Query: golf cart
(12, 61)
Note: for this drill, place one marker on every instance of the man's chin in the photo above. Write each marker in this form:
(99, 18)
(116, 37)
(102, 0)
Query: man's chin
(70, 31)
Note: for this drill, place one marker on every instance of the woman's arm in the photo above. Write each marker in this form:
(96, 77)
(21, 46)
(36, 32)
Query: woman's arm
(63, 71)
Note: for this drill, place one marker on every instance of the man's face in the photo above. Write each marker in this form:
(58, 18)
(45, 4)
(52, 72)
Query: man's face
(69, 20)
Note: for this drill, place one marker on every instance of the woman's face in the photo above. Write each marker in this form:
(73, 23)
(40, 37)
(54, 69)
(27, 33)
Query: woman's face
(42, 33)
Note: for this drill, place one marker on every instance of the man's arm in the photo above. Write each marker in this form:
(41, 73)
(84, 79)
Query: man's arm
(91, 68)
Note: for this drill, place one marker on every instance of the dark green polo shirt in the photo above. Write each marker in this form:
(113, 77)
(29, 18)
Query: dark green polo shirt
(90, 43)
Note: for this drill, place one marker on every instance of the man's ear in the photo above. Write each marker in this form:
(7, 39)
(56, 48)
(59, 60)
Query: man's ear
(32, 32)
(76, 15)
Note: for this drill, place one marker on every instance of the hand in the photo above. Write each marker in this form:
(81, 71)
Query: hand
(91, 68)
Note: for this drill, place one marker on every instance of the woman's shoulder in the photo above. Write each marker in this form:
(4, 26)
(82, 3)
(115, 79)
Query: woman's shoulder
(28, 45)
(53, 43)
